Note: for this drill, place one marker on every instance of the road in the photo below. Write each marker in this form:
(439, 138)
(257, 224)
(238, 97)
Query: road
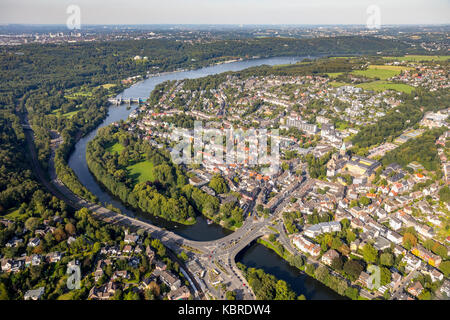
(402, 285)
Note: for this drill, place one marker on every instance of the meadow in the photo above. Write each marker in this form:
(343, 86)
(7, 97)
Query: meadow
(333, 75)
(117, 148)
(381, 72)
(381, 85)
(142, 171)
(69, 115)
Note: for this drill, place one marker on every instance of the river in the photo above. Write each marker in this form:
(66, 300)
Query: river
(254, 256)
(201, 230)
(260, 257)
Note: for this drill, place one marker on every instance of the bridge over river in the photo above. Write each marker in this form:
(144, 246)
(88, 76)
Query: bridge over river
(217, 257)
(120, 100)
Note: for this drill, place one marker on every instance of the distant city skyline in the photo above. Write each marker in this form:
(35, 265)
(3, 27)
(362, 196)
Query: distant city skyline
(326, 12)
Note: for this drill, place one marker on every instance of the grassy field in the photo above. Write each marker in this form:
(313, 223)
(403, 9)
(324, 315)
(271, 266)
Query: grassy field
(380, 71)
(342, 125)
(67, 296)
(141, 171)
(115, 148)
(417, 58)
(108, 85)
(13, 214)
(81, 93)
(381, 85)
(66, 115)
(334, 74)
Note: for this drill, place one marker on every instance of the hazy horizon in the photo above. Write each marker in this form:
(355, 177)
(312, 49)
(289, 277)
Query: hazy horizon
(225, 24)
(225, 12)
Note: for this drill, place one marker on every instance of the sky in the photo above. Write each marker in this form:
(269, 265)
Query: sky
(225, 11)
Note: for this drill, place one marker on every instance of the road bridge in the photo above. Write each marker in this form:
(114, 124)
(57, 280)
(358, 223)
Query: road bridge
(209, 254)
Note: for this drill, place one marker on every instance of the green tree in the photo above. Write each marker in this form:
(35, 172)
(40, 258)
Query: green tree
(184, 256)
(364, 201)
(387, 259)
(370, 254)
(230, 295)
(385, 276)
(350, 236)
(445, 268)
(218, 184)
(322, 274)
(352, 293)
(352, 269)
(444, 194)
(131, 295)
(3, 292)
(283, 292)
(337, 263)
(32, 223)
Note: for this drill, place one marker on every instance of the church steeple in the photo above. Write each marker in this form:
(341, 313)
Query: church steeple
(343, 150)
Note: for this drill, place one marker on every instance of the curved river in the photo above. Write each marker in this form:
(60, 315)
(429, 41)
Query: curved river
(254, 256)
(201, 230)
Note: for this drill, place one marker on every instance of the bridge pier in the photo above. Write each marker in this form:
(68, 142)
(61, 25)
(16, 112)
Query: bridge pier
(119, 101)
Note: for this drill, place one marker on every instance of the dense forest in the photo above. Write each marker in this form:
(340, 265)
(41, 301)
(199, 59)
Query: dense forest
(164, 191)
(17, 183)
(68, 65)
(159, 195)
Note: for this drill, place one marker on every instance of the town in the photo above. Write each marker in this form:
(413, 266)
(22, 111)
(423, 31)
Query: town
(393, 211)
(221, 162)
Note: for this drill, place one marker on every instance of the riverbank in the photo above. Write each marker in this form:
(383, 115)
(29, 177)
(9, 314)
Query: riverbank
(259, 256)
(200, 231)
(308, 270)
(268, 287)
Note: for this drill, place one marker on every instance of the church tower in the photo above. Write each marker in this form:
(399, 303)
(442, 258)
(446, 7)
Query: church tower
(343, 150)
